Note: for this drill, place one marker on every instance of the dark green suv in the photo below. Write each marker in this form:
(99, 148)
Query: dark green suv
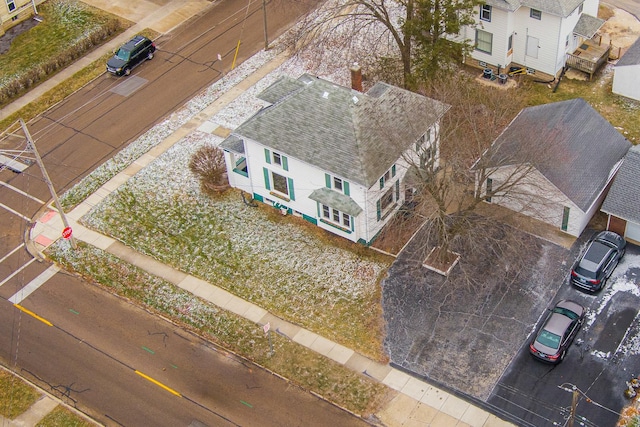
(131, 54)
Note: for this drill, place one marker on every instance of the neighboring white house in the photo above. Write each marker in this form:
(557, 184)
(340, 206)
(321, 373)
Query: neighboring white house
(622, 204)
(626, 74)
(561, 156)
(536, 34)
(333, 155)
(12, 12)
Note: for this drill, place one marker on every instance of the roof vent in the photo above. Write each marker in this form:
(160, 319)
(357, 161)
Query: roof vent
(325, 95)
(355, 99)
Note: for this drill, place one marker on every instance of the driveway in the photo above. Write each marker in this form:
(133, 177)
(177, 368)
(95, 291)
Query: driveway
(604, 356)
(463, 330)
(469, 332)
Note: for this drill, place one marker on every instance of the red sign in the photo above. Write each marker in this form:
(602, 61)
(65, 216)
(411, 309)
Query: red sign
(66, 233)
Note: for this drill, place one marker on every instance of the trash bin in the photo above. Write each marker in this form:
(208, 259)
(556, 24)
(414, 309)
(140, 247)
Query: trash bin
(487, 73)
(502, 79)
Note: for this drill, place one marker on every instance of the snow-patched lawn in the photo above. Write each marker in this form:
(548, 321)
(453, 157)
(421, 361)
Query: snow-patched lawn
(282, 264)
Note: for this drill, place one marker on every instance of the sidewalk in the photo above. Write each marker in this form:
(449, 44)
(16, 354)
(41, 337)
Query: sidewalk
(145, 15)
(416, 403)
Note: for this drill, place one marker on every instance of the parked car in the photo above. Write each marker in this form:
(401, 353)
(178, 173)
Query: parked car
(557, 332)
(594, 266)
(130, 55)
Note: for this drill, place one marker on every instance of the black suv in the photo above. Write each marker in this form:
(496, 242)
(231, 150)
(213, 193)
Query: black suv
(131, 54)
(595, 265)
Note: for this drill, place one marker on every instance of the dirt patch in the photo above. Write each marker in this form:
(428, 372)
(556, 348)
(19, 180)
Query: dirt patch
(621, 30)
(397, 233)
(7, 38)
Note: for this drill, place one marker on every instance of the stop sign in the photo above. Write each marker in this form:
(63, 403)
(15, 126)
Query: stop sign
(66, 233)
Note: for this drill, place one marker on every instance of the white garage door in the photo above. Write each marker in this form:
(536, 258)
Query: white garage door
(633, 231)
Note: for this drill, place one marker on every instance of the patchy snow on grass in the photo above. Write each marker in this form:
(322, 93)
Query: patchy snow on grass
(277, 264)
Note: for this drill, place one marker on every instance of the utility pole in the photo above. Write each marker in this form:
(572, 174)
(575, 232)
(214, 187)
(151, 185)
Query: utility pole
(32, 147)
(574, 404)
(264, 16)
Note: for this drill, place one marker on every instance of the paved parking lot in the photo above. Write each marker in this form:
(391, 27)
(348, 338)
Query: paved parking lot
(603, 357)
(469, 332)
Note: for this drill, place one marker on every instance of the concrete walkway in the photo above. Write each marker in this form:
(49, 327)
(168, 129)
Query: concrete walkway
(416, 403)
(145, 14)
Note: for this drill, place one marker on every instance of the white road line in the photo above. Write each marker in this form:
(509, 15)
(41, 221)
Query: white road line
(12, 252)
(23, 293)
(17, 271)
(15, 212)
(17, 190)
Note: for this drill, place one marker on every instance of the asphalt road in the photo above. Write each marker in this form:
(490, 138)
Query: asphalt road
(118, 363)
(124, 366)
(631, 6)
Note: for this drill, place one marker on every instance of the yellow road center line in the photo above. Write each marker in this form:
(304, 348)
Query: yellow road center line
(31, 313)
(158, 383)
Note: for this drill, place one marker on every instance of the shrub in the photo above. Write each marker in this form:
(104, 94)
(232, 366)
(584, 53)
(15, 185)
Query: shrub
(208, 164)
(70, 30)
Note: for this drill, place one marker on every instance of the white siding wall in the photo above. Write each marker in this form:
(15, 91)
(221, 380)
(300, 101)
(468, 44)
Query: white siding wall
(547, 30)
(626, 81)
(501, 26)
(306, 179)
(537, 198)
(590, 7)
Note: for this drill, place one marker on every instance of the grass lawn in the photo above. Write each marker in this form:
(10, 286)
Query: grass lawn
(68, 30)
(295, 362)
(282, 264)
(62, 417)
(15, 395)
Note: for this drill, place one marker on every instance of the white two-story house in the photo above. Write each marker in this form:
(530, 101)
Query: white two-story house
(333, 155)
(535, 34)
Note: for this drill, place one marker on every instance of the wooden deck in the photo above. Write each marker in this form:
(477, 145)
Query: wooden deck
(588, 57)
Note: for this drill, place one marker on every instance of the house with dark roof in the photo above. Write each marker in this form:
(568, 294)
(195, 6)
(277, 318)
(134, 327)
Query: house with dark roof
(622, 204)
(333, 155)
(536, 34)
(554, 162)
(626, 73)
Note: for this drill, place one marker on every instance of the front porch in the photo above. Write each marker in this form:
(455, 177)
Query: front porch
(589, 56)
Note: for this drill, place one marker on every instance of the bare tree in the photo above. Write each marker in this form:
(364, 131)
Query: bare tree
(446, 192)
(417, 32)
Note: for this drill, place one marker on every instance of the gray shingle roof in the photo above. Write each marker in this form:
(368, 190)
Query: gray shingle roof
(350, 134)
(337, 200)
(562, 8)
(587, 26)
(623, 199)
(631, 56)
(569, 142)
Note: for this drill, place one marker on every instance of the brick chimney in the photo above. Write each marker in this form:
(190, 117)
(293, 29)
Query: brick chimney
(356, 77)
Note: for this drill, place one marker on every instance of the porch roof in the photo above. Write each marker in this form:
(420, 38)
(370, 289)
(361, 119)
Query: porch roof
(587, 26)
(336, 200)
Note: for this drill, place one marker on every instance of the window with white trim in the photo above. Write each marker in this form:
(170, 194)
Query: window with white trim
(535, 14)
(11, 5)
(335, 216)
(280, 183)
(484, 41)
(485, 12)
(337, 183)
